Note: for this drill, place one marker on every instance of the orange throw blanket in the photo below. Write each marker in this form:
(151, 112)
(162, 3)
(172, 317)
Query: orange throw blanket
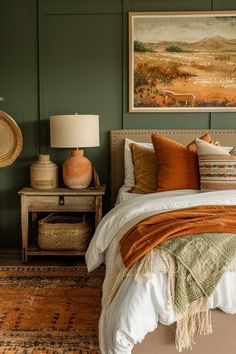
(150, 232)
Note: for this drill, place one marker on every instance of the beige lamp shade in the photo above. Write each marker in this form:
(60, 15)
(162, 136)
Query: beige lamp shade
(74, 131)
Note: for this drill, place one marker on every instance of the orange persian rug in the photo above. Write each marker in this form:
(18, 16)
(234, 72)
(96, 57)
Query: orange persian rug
(49, 310)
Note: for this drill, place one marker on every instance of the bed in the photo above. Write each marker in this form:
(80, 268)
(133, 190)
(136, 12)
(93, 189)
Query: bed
(162, 339)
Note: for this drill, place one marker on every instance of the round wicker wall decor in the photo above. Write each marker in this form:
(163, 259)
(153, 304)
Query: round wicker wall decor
(11, 141)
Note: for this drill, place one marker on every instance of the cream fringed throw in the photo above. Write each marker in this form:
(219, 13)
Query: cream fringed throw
(194, 264)
(200, 261)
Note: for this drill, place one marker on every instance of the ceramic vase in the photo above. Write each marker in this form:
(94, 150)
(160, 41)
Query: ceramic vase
(77, 170)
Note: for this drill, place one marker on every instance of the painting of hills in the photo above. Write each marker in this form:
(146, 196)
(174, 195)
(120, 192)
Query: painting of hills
(183, 62)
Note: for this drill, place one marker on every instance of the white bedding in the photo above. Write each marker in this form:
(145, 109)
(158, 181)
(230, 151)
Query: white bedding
(124, 195)
(123, 324)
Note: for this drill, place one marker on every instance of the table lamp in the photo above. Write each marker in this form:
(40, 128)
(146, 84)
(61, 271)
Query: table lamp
(75, 131)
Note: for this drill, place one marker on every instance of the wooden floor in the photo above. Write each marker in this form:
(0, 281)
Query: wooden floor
(12, 257)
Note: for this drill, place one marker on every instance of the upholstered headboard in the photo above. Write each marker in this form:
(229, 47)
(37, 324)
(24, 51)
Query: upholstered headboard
(226, 137)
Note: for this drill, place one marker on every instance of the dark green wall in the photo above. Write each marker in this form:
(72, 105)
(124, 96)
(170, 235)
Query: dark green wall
(18, 84)
(67, 56)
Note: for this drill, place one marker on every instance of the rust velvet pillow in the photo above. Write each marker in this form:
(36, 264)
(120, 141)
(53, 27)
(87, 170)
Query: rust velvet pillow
(177, 165)
(145, 169)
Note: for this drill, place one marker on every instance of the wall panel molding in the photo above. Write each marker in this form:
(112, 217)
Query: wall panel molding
(80, 70)
(80, 6)
(70, 80)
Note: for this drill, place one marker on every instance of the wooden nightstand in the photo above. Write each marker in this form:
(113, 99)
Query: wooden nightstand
(57, 200)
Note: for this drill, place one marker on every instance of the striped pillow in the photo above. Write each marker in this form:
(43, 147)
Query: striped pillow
(217, 168)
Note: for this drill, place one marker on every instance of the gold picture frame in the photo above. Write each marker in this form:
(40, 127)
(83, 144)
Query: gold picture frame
(182, 61)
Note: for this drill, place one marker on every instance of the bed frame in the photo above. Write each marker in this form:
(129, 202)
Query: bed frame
(161, 341)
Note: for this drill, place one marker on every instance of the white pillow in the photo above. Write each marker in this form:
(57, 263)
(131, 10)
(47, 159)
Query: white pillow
(233, 151)
(204, 148)
(129, 166)
(227, 148)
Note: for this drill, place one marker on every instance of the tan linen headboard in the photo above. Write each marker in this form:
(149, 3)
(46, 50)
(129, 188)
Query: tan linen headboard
(226, 137)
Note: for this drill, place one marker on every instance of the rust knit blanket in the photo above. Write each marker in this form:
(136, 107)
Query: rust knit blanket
(150, 232)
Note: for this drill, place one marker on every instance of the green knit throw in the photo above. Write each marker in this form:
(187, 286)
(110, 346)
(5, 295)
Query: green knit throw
(201, 260)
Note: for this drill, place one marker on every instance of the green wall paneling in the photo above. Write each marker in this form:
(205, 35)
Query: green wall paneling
(224, 5)
(166, 5)
(81, 71)
(223, 120)
(18, 84)
(80, 54)
(16, 11)
(80, 6)
(167, 120)
(10, 229)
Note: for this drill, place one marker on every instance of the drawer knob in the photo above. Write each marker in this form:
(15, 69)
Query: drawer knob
(61, 200)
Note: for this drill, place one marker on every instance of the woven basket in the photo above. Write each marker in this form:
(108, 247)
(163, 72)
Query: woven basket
(60, 232)
(11, 141)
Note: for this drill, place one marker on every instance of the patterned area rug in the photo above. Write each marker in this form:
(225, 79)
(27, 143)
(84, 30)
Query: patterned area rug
(49, 310)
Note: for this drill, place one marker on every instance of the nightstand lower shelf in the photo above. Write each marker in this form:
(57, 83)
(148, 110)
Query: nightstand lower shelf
(88, 200)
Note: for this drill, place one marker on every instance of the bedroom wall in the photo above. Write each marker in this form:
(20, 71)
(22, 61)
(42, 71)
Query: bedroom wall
(67, 56)
(18, 84)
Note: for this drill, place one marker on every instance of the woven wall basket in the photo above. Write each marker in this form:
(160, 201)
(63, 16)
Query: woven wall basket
(62, 232)
(11, 141)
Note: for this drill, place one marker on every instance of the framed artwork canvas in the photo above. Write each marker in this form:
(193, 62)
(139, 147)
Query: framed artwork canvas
(182, 61)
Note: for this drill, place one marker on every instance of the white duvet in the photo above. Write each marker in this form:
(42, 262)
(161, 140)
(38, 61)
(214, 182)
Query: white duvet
(138, 307)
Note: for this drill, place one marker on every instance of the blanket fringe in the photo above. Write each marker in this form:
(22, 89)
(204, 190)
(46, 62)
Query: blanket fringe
(150, 264)
(197, 319)
(155, 261)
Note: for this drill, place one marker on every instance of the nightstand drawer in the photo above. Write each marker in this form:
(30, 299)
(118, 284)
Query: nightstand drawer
(61, 203)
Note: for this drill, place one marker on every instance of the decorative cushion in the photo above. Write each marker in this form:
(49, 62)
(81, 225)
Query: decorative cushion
(229, 149)
(177, 165)
(145, 169)
(216, 166)
(232, 150)
(206, 137)
(204, 148)
(129, 166)
(226, 148)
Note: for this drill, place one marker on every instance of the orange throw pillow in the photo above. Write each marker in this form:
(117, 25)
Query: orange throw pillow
(177, 165)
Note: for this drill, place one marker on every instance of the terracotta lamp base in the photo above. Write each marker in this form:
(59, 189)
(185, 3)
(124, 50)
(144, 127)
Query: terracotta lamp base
(77, 170)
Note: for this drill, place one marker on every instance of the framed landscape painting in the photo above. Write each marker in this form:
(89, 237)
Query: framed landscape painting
(182, 61)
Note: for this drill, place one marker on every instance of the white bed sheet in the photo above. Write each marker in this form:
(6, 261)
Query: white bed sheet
(123, 324)
(124, 195)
